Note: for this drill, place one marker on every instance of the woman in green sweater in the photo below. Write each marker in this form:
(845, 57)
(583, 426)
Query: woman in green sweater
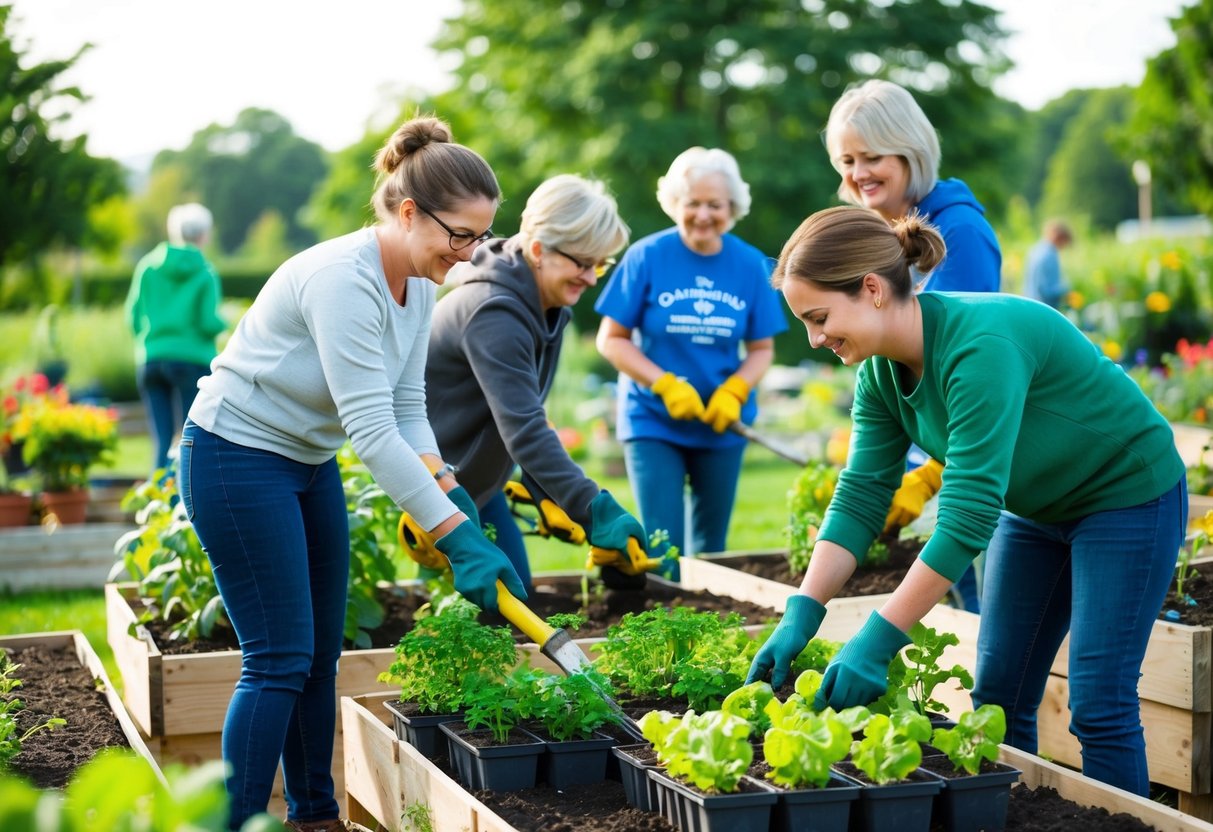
(1044, 439)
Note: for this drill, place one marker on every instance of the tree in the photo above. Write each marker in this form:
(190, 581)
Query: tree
(47, 183)
(241, 171)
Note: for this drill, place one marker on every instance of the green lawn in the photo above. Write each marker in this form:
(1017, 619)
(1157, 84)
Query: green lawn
(50, 610)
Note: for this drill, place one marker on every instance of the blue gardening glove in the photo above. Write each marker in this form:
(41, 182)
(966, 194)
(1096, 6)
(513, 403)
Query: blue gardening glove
(610, 525)
(859, 673)
(477, 565)
(463, 501)
(799, 624)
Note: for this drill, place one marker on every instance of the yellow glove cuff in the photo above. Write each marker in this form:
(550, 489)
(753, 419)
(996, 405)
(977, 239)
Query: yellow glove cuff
(663, 383)
(736, 386)
(930, 474)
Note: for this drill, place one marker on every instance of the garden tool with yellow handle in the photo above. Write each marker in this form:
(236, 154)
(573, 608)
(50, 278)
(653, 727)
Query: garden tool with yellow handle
(553, 642)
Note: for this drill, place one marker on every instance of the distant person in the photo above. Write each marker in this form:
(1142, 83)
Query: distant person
(1042, 279)
(689, 320)
(887, 152)
(173, 310)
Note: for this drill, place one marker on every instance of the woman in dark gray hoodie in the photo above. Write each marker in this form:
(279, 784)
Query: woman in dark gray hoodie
(494, 346)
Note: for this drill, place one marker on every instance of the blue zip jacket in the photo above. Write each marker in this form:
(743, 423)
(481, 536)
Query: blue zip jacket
(974, 260)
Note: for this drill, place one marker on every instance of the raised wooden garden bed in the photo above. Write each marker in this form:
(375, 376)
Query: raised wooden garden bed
(79, 644)
(386, 778)
(68, 557)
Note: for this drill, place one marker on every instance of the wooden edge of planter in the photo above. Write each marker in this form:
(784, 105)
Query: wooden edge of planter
(1071, 785)
(704, 573)
(89, 659)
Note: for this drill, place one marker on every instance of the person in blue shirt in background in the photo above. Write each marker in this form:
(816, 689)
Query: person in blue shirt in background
(1042, 279)
(884, 147)
(704, 316)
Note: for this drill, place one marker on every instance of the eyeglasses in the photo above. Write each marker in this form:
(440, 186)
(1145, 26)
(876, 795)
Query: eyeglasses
(599, 269)
(459, 239)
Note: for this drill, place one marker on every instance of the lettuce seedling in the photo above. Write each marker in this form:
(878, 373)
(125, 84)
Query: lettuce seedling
(710, 750)
(749, 702)
(801, 745)
(11, 736)
(974, 738)
(888, 753)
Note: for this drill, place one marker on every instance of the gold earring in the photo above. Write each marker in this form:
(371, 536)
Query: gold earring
(877, 301)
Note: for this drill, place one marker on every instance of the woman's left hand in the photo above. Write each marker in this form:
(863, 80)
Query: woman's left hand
(859, 673)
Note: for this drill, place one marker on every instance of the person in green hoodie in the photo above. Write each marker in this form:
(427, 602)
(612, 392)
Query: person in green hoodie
(173, 310)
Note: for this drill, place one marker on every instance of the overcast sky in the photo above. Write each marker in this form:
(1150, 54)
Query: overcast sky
(160, 70)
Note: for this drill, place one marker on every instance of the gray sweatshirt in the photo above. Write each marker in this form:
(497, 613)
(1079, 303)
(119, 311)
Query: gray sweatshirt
(325, 352)
(493, 355)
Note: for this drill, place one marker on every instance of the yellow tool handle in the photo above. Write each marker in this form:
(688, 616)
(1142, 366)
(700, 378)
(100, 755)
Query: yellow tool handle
(520, 615)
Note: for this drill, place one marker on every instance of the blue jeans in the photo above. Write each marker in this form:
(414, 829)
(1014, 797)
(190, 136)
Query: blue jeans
(659, 471)
(1103, 579)
(168, 389)
(509, 536)
(277, 536)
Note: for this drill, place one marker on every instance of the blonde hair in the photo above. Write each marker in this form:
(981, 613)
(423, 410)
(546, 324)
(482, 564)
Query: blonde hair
(575, 214)
(836, 248)
(421, 162)
(189, 223)
(693, 164)
(887, 119)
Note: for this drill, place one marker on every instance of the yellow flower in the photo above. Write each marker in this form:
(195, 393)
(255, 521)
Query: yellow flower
(1158, 302)
(1075, 299)
(1112, 350)
(1171, 260)
(1204, 525)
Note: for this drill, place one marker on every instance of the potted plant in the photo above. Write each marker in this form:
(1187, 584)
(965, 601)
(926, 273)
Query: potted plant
(62, 441)
(433, 662)
(14, 503)
(488, 750)
(704, 786)
(569, 711)
(894, 794)
(976, 788)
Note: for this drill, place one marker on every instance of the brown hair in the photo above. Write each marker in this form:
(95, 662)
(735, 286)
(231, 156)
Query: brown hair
(836, 248)
(421, 162)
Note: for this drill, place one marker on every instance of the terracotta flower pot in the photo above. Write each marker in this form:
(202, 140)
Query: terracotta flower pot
(69, 506)
(14, 509)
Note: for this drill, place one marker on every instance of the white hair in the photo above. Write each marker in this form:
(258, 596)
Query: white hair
(189, 223)
(693, 164)
(576, 214)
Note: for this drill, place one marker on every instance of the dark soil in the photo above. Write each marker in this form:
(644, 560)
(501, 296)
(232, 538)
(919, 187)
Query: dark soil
(552, 595)
(1198, 588)
(55, 684)
(867, 580)
(1044, 810)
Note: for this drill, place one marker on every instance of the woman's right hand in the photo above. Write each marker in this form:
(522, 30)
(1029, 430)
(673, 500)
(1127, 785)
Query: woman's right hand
(681, 400)
(477, 565)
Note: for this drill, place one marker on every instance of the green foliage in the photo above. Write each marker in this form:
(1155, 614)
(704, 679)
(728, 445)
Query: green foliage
(372, 519)
(913, 678)
(435, 660)
(974, 738)
(1182, 390)
(418, 818)
(498, 704)
(1171, 124)
(801, 745)
(750, 702)
(888, 751)
(710, 750)
(11, 736)
(808, 500)
(716, 666)
(118, 790)
(571, 707)
(47, 183)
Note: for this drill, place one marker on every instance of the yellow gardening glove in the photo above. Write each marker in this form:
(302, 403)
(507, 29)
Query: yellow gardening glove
(679, 397)
(724, 408)
(917, 487)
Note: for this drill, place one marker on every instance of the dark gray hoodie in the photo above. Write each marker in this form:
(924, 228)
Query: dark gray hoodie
(493, 355)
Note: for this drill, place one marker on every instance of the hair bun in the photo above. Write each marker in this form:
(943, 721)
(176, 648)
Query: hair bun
(409, 138)
(921, 241)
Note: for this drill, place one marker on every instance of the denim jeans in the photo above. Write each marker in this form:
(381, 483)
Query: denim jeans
(277, 536)
(659, 472)
(509, 536)
(1103, 579)
(168, 389)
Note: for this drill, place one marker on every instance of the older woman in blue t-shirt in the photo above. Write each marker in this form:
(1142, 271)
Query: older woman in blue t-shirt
(706, 316)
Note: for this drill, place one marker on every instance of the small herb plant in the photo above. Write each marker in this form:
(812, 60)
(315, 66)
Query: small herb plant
(974, 738)
(716, 666)
(498, 704)
(1184, 570)
(434, 659)
(801, 745)
(11, 737)
(807, 502)
(891, 746)
(913, 678)
(570, 707)
(710, 750)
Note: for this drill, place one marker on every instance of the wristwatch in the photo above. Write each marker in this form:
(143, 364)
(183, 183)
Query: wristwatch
(447, 468)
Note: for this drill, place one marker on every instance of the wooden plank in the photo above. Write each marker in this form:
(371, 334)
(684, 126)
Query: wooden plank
(138, 661)
(196, 689)
(1071, 785)
(69, 557)
(705, 574)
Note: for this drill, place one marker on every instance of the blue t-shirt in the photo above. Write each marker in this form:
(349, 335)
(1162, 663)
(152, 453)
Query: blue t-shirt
(692, 312)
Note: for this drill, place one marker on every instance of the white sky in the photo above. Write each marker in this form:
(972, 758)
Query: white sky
(160, 70)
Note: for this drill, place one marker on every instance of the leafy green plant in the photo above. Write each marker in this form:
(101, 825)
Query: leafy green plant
(808, 499)
(801, 745)
(716, 666)
(418, 818)
(750, 702)
(435, 660)
(11, 737)
(499, 704)
(891, 746)
(1184, 570)
(570, 621)
(372, 519)
(711, 750)
(913, 678)
(571, 707)
(974, 738)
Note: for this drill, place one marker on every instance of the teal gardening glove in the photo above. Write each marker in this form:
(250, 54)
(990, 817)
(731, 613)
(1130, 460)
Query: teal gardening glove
(463, 501)
(799, 624)
(610, 525)
(859, 673)
(477, 565)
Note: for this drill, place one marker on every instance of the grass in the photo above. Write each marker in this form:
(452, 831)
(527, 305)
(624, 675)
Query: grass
(44, 611)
